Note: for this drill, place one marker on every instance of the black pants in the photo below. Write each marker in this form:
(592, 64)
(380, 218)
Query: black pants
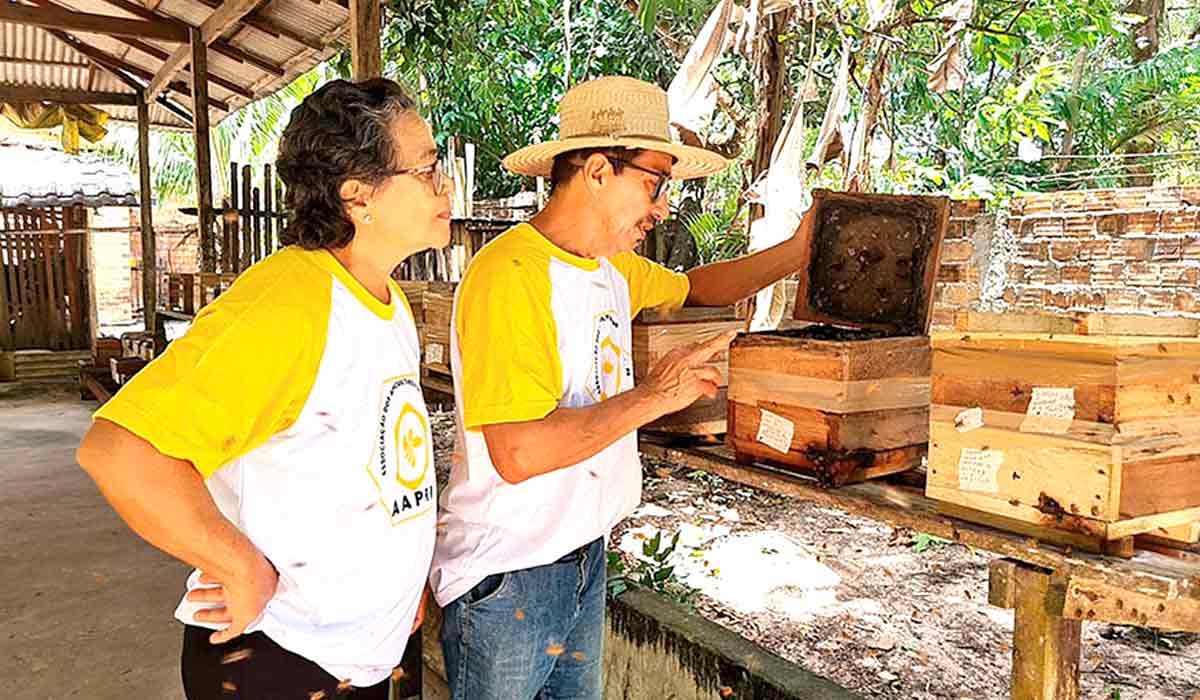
(252, 667)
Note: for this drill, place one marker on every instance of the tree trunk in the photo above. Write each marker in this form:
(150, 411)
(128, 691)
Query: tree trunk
(770, 76)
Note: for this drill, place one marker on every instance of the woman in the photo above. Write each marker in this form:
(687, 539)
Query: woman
(281, 446)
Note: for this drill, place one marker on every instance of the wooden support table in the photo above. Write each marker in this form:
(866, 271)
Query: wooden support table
(1052, 590)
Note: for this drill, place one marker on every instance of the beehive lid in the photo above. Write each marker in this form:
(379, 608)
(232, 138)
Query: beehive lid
(873, 261)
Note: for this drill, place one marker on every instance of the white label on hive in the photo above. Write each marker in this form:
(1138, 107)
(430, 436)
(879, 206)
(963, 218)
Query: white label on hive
(435, 354)
(977, 469)
(1051, 410)
(775, 431)
(969, 419)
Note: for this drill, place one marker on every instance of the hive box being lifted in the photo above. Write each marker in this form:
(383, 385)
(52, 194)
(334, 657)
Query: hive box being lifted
(1083, 440)
(847, 398)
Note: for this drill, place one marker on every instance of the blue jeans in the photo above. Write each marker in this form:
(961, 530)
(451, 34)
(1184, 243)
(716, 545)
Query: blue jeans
(531, 634)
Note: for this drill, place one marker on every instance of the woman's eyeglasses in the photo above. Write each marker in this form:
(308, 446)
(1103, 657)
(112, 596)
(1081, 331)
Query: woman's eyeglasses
(434, 172)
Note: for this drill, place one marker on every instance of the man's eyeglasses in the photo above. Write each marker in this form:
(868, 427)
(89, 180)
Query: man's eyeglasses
(434, 172)
(660, 187)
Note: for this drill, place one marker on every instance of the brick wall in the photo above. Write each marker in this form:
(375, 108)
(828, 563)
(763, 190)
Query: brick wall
(1133, 250)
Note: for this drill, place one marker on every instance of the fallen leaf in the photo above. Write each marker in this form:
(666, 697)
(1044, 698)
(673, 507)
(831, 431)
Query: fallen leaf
(726, 691)
(555, 650)
(228, 687)
(519, 614)
(579, 656)
(316, 695)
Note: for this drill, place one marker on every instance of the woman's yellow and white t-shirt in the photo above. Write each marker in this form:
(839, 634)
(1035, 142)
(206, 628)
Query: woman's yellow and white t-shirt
(535, 328)
(296, 394)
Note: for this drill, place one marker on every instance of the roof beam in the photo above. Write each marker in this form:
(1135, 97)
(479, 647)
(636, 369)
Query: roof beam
(160, 54)
(30, 93)
(151, 50)
(221, 46)
(224, 17)
(60, 18)
(256, 21)
(123, 69)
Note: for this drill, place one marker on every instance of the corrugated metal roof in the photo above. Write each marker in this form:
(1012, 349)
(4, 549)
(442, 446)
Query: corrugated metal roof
(45, 177)
(30, 56)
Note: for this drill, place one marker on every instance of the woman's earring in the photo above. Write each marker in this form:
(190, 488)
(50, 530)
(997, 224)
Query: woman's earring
(367, 218)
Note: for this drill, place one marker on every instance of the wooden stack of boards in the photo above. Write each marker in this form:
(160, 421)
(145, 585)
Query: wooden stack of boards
(1081, 430)
(431, 303)
(846, 398)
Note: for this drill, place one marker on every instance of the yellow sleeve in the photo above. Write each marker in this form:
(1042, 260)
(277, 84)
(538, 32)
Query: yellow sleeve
(241, 374)
(507, 341)
(651, 285)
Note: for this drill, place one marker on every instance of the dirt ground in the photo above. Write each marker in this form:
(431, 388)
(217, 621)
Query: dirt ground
(907, 619)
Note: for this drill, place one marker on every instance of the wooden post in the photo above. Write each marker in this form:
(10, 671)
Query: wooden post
(235, 229)
(366, 59)
(1045, 645)
(149, 261)
(204, 190)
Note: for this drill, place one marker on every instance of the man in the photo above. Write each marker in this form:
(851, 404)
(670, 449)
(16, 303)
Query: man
(547, 413)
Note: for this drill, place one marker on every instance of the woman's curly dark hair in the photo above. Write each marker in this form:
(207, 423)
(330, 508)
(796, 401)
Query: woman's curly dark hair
(339, 132)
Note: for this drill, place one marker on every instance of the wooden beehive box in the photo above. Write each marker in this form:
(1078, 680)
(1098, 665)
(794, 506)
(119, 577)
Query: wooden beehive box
(1078, 439)
(847, 398)
(437, 305)
(656, 333)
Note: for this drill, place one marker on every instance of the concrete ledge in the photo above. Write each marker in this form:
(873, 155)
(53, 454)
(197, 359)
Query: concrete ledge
(654, 649)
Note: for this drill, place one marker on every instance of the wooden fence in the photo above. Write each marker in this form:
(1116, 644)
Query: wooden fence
(43, 279)
(251, 219)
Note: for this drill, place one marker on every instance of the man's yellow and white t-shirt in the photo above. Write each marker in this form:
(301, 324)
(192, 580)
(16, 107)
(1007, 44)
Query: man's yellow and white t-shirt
(535, 328)
(296, 394)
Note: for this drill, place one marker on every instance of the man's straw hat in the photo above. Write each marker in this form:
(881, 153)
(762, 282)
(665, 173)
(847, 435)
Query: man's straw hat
(615, 112)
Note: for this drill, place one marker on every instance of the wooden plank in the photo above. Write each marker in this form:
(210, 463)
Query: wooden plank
(256, 222)
(28, 93)
(755, 386)
(1152, 523)
(1160, 485)
(269, 243)
(6, 337)
(903, 506)
(1185, 534)
(145, 206)
(221, 46)
(8, 250)
(686, 314)
(1098, 601)
(246, 213)
(54, 17)
(79, 303)
(1046, 647)
(365, 52)
(20, 271)
(1067, 532)
(204, 190)
(991, 322)
(123, 70)
(224, 17)
(1138, 325)
(235, 227)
